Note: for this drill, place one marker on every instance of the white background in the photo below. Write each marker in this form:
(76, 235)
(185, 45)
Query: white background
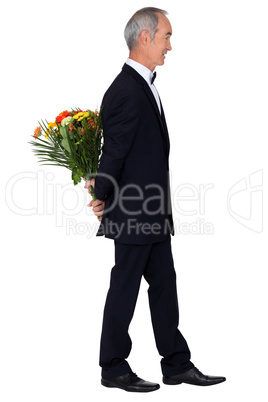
(57, 55)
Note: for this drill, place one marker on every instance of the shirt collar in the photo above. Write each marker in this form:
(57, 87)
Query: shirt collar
(141, 69)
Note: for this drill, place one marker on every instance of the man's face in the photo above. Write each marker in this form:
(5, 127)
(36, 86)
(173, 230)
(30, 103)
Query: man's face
(158, 48)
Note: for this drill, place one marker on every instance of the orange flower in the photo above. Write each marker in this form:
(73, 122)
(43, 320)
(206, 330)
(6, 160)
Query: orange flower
(62, 116)
(37, 132)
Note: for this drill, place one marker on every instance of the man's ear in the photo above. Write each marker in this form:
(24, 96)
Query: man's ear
(145, 37)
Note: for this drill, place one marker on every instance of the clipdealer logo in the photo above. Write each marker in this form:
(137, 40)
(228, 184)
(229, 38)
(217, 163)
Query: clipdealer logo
(65, 202)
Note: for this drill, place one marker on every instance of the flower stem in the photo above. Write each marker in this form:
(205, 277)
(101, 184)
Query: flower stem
(92, 193)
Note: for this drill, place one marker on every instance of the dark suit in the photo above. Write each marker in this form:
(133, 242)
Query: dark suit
(138, 217)
(135, 153)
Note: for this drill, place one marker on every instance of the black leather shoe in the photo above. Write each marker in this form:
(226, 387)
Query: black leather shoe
(194, 377)
(130, 382)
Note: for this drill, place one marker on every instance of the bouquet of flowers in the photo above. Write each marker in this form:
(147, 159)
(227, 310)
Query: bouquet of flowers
(74, 140)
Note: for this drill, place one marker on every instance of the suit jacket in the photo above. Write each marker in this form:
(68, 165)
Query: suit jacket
(133, 175)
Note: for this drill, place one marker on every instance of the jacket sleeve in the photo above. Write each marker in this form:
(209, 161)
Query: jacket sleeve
(120, 120)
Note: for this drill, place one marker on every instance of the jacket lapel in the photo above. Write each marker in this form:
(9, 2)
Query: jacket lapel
(161, 117)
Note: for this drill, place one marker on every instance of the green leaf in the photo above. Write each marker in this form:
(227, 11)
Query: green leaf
(64, 132)
(66, 145)
(76, 177)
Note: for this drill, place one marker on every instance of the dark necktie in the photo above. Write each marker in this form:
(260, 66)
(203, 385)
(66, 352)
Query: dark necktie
(153, 77)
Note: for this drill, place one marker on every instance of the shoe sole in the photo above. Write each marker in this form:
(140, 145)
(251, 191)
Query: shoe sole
(169, 381)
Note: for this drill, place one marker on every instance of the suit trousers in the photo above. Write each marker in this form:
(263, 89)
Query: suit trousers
(155, 263)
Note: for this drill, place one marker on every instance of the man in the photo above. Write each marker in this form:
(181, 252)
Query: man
(132, 190)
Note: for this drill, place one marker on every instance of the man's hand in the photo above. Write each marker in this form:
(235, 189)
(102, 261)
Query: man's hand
(98, 205)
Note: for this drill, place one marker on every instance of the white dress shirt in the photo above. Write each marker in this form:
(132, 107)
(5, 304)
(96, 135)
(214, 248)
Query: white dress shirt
(147, 75)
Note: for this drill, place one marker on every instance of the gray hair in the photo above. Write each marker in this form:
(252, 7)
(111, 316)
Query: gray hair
(144, 19)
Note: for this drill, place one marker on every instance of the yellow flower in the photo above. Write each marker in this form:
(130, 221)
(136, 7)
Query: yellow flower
(81, 115)
(77, 115)
(48, 132)
(52, 125)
